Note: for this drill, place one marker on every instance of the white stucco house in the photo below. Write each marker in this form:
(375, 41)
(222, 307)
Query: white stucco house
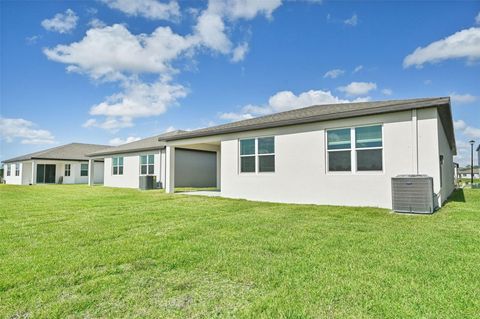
(339, 154)
(66, 164)
(467, 173)
(125, 164)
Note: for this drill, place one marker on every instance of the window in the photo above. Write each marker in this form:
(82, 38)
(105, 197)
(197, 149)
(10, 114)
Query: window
(67, 169)
(266, 154)
(17, 169)
(339, 150)
(147, 164)
(9, 169)
(117, 165)
(368, 142)
(363, 144)
(83, 169)
(247, 156)
(260, 150)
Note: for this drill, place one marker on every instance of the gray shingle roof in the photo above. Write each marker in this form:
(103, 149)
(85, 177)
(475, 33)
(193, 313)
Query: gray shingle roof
(325, 112)
(72, 151)
(149, 143)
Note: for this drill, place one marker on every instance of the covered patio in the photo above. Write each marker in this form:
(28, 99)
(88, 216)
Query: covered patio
(171, 172)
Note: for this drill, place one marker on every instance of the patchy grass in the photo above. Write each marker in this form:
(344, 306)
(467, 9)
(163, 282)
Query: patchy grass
(77, 251)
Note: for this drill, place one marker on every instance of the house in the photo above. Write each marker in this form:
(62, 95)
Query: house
(467, 172)
(65, 164)
(478, 155)
(125, 164)
(339, 154)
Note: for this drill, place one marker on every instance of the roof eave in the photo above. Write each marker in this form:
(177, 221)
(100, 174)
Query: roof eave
(143, 149)
(319, 118)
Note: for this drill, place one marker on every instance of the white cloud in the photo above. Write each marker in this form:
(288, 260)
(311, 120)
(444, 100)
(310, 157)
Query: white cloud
(335, 73)
(244, 9)
(150, 9)
(113, 53)
(462, 98)
(12, 129)
(387, 92)
(358, 88)
(140, 100)
(111, 124)
(107, 53)
(285, 101)
(469, 131)
(61, 22)
(358, 68)
(170, 129)
(427, 82)
(119, 141)
(352, 21)
(231, 116)
(211, 29)
(463, 44)
(239, 52)
(32, 40)
(459, 125)
(96, 23)
(477, 18)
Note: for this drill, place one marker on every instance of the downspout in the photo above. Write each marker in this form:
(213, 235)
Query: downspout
(415, 141)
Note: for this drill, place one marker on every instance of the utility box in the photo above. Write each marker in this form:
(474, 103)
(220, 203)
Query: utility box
(413, 194)
(147, 182)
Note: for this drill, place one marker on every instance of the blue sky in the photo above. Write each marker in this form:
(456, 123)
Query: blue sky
(117, 70)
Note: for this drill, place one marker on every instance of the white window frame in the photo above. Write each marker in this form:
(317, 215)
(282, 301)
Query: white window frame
(118, 165)
(256, 155)
(9, 169)
(353, 152)
(68, 168)
(83, 170)
(148, 164)
(17, 169)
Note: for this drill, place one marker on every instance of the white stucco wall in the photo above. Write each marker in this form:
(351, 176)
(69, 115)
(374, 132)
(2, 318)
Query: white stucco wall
(447, 170)
(25, 177)
(301, 174)
(12, 179)
(131, 169)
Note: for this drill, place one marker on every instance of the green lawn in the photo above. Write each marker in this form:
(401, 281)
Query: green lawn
(89, 252)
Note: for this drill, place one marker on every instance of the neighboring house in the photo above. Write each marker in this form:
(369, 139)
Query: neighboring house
(66, 164)
(478, 153)
(467, 173)
(339, 154)
(125, 164)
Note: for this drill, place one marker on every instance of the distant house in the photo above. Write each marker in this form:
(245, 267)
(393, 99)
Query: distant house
(125, 164)
(65, 164)
(339, 154)
(478, 155)
(467, 173)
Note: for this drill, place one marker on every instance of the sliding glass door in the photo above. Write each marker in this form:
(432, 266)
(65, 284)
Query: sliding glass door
(46, 173)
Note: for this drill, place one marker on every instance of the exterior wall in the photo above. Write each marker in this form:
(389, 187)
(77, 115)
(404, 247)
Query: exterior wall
(25, 177)
(192, 169)
(131, 169)
(26, 173)
(301, 174)
(195, 168)
(98, 173)
(447, 170)
(12, 179)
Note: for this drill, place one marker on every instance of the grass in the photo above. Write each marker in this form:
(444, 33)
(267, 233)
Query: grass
(78, 251)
